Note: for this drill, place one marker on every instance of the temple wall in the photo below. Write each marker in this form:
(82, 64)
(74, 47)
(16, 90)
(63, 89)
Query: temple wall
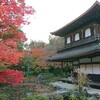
(96, 68)
(85, 60)
(75, 62)
(81, 32)
(97, 29)
(96, 59)
(88, 60)
(90, 68)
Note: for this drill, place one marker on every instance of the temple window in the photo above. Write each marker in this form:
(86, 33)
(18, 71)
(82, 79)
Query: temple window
(77, 37)
(68, 40)
(87, 32)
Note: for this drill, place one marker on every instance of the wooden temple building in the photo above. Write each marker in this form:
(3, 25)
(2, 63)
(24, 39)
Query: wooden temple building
(82, 43)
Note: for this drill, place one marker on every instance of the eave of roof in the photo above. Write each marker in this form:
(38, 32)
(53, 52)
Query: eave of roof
(91, 15)
(77, 52)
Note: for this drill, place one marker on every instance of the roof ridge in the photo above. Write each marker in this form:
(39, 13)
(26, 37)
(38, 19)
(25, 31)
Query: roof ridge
(85, 12)
(97, 2)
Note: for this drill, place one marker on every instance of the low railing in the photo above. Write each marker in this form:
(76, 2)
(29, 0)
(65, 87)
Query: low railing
(82, 41)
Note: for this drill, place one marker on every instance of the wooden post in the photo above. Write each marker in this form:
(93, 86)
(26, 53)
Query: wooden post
(78, 63)
(91, 64)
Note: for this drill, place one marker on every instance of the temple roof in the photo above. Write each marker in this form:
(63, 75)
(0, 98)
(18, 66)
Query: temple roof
(76, 52)
(90, 16)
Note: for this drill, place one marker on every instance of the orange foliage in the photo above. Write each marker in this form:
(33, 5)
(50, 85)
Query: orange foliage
(39, 56)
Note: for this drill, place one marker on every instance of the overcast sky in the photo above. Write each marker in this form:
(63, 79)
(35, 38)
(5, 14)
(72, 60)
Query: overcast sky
(53, 14)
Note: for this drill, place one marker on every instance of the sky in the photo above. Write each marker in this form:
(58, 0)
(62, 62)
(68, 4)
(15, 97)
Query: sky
(51, 15)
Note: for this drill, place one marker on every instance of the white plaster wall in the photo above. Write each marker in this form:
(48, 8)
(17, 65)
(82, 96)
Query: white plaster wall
(96, 68)
(83, 68)
(89, 69)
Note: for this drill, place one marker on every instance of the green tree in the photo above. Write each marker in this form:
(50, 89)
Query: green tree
(27, 64)
(37, 44)
(55, 43)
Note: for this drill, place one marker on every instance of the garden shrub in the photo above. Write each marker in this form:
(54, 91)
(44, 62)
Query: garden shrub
(58, 97)
(49, 77)
(3, 97)
(65, 71)
(35, 97)
(55, 97)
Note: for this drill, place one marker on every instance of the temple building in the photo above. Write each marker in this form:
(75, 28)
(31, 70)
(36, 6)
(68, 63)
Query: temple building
(82, 43)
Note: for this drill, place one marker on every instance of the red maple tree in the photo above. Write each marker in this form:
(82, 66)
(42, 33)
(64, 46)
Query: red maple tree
(12, 14)
(13, 77)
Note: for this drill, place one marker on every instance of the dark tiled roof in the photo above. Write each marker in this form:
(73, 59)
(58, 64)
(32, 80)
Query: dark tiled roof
(91, 15)
(76, 52)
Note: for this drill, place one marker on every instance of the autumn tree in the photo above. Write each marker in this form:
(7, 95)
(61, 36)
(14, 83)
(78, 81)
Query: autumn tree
(38, 53)
(12, 17)
(41, 51)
